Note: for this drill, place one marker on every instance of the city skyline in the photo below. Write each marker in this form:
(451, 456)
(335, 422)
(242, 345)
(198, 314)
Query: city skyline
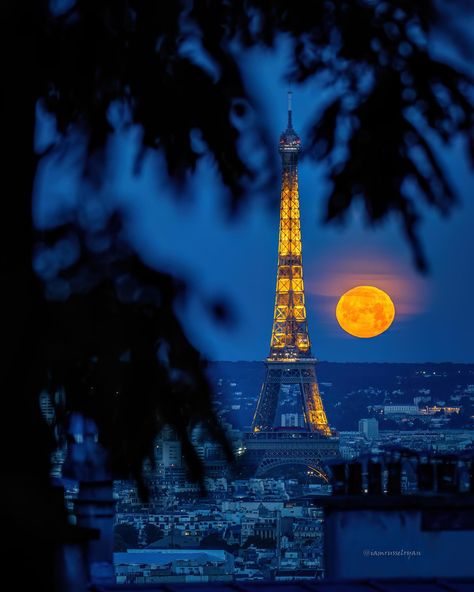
(161, 184)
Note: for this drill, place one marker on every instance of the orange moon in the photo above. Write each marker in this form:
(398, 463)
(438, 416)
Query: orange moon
(365, 311)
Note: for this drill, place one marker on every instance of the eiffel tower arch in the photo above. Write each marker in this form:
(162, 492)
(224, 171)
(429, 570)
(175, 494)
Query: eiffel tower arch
(290, 366)
(286, 453)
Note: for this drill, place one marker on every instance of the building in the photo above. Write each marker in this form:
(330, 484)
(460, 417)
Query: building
(369, 428)
(145, 566)
(171, 453)
(401, 410)
(292, 420)
(399, 536)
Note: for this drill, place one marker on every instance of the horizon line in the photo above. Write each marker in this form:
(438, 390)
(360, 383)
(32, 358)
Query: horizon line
(347, 362)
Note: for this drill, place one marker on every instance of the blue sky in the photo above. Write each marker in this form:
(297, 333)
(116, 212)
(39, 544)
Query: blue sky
(236, 260)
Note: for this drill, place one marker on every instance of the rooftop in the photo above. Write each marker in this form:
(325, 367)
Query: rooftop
(165, 556)
(391, 585)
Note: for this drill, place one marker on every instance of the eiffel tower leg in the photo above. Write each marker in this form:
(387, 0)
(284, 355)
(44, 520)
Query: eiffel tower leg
(264, 417)
(316, 417)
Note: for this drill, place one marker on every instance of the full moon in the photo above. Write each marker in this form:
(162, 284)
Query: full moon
(365, 311)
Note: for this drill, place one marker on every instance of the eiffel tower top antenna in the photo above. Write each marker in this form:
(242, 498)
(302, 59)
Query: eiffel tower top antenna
(290, 112)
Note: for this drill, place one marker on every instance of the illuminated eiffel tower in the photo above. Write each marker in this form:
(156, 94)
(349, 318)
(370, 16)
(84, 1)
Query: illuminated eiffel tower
(290, 367)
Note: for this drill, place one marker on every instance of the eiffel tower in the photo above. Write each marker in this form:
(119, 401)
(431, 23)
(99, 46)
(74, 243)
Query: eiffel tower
(290, 366)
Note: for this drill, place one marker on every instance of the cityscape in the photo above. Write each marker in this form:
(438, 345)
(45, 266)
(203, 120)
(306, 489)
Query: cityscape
(298, 437)
(236, 280)
(269, 528)
(298, 440)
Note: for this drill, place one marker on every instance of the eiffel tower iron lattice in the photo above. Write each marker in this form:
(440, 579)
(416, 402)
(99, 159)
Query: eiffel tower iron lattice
(290, 365)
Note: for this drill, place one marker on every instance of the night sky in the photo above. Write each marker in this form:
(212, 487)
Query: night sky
(236, 260)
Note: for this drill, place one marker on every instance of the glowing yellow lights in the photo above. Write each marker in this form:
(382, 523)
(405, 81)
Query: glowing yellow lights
(289, 319)
(290, 362)
(315, 411)
(365, 311)
(290, 232)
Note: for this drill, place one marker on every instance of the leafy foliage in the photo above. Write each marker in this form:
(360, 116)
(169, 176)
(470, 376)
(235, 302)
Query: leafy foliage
(391, 96)
(128, 535)
(152, 533)
(113, 341)
(104, 323)
(215, 541)
(259, 542)
(109, 330)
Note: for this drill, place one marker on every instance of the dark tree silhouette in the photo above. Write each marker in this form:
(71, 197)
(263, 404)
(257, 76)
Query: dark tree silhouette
(153, 533)
(259, 542)
(214, 540)
(119, 544)
(128, 533)
(105, 324)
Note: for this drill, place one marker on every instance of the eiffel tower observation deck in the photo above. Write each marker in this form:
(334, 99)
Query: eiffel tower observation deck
(290, 425)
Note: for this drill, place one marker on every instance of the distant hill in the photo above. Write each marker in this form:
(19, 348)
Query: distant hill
(347, 389)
